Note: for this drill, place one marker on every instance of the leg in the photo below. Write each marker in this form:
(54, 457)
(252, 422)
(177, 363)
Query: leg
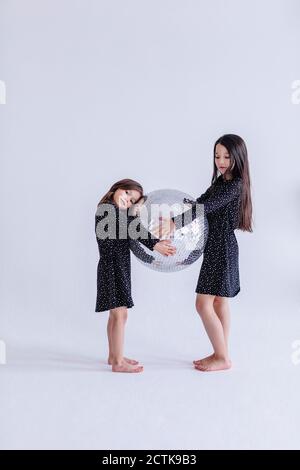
(115, 329)
(109, 333)
(110, 324)
(213, 326)
(221, 306)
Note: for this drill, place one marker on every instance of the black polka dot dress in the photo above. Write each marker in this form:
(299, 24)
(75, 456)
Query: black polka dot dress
(219, 274)
(114, 266)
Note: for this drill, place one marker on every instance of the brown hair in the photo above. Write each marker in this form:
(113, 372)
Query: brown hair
(239, 167)
(122, 184)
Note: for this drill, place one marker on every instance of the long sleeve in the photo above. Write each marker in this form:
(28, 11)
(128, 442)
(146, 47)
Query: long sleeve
(227, 192)
(112, 225)
(191, 258)
(105, 234)
(145, 237)
(213, 199)
(140, 252)
(188, 216)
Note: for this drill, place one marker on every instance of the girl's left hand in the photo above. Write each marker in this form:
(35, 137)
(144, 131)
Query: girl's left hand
(165, 248)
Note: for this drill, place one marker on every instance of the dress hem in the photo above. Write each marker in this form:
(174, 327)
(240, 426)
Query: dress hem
(219, 295)
(111, 307)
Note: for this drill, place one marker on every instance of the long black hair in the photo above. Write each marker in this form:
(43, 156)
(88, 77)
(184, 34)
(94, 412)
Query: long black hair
(239, 167)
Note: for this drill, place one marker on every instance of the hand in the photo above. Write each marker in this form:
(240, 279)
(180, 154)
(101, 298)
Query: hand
(165, 228)
(165, 248)
(135, 209)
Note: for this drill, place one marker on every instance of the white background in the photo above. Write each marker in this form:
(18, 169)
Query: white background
(103, 90)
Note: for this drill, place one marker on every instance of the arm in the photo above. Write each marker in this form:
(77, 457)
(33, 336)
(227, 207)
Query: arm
(211, 200)
(144, 237)
(191, 258)
(163, 247)
(140, 252)
(188, 216)
(107, 228)
(106, 221)
(105, 232)
(228, 191)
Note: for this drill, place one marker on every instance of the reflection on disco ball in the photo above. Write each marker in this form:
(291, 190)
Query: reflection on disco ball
(189, 240)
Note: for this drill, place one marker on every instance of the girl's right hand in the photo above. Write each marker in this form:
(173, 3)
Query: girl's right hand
(165, 228)
(165, 248)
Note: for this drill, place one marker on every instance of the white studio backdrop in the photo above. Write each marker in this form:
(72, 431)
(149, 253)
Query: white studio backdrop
(97, 91)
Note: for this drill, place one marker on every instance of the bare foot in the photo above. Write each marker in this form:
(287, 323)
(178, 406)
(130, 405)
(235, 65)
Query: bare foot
(125, 367)
(203, 361)
(214, 364)
(133, 362)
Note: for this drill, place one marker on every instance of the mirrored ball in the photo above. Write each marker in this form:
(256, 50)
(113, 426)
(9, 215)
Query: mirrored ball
(189, 240)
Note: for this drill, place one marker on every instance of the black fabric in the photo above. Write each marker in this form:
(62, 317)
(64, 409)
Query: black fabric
(219, 274)
(114, 266)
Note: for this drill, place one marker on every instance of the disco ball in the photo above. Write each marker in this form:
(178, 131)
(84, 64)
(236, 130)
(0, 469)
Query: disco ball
(189, 240)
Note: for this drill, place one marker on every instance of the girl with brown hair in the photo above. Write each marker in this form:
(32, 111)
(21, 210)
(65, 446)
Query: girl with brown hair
(112, 228)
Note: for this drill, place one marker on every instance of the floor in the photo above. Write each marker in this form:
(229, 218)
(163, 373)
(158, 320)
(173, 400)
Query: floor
(59, 393)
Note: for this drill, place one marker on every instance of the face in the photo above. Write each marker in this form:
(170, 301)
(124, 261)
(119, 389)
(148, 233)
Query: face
(222, 158)
(137, 207)
(124, 198)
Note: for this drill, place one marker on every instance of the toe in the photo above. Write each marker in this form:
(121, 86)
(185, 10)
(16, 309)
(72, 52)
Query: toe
(131, 361)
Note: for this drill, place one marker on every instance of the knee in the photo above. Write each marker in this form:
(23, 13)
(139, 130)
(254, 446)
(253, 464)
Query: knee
(119, 314)
(204, 307)
(220, 302)
(200, 308)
